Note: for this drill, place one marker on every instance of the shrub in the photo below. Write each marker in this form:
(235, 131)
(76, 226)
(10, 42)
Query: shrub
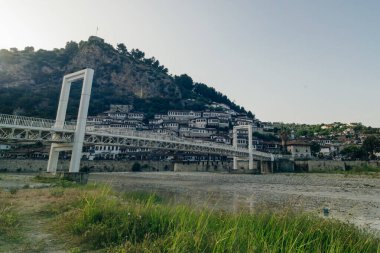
(13, 190)
(136, 167)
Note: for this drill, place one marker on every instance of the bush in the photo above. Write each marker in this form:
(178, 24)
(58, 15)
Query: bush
(13, 190)
(136, 167)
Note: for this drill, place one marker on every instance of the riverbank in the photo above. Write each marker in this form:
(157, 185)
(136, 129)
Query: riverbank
(66, 217)
(350, 198)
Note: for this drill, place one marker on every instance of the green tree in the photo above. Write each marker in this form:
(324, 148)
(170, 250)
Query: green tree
(354, 152)
(315, 148)
(371, 145)
(71, 48)
(284, 135)
(137, 54)
(121, 49)
(250, 115)
(184, 81)
(136, 167)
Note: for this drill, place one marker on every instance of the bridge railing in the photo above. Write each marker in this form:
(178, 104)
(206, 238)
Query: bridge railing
(163, 137)
(46, 124)
(15, 121)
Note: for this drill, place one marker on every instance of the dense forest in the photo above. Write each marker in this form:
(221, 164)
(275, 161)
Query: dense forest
(30, 81)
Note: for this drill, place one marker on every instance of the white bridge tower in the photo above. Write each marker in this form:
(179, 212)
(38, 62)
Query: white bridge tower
(250, 150)
(76, 147)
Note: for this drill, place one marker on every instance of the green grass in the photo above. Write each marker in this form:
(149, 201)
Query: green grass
(54, 181)
(355, 170)
(9, 222)
(363, 170)
(138, 222)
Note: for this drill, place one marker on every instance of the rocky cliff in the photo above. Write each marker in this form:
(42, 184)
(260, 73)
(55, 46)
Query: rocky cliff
(30, 80)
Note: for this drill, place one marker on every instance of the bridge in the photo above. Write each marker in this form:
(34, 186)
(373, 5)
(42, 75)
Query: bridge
(65, 136)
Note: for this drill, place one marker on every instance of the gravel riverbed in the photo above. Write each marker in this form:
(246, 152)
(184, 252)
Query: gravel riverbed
(351, 198)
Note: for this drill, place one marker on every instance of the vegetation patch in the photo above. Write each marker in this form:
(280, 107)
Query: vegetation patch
(139, 222)
(362, 169)
(355, 170)
(54, 181)
(9, 222)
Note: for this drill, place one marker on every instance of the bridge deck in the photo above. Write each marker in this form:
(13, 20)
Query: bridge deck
(37, 129)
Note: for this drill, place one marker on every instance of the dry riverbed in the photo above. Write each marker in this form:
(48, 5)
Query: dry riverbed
(351, 198)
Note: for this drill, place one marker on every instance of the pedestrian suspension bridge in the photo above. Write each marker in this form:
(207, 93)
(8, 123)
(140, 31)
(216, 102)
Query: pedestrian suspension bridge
(65, 136)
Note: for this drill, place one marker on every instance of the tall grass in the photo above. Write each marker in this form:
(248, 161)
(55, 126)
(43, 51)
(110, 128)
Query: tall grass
(368, 170)
(363, 169)
(9, 222)
(54, 181)
(103, 220)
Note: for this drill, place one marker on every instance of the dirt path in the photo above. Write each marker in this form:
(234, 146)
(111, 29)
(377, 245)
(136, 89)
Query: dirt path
(35, 226)
(354, 198)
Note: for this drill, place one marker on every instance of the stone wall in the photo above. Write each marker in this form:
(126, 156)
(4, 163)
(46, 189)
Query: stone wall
(28, 165)
(216, 167)
(320, 165)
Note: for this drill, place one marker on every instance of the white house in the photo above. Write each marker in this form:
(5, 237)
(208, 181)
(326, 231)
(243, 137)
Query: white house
(183, 115)
(171, 125)
(299, 149)
(198, 123)
(202, 132)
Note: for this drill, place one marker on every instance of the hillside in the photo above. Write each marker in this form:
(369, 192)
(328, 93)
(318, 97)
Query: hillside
(30, 81)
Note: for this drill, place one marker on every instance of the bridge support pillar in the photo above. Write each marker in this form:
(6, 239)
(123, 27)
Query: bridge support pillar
(234, 144)
(250, 145)
(235, 167)
(53, 159)
(87, 76)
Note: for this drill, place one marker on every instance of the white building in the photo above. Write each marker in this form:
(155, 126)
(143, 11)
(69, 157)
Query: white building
(213, 122)
(161, 116)
(135, 115)
(202, 132)
(183, 116)
(243, 121)
(299, 149)
(220, 139)
(171, 125)
(215, 114)
(198, 123)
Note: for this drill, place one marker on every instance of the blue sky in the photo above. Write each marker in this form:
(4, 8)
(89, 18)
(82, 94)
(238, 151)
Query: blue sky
(290, 61)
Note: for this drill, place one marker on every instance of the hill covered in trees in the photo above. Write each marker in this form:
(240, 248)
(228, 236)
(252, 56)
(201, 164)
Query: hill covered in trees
(30, 81)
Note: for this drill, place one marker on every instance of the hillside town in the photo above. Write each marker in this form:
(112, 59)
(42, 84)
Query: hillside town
(335, 141)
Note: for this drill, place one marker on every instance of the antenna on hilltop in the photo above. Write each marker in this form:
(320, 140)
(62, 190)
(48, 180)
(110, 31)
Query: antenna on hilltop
(97, 29)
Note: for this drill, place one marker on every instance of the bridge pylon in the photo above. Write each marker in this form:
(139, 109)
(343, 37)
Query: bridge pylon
(250, 150)
(76, 147)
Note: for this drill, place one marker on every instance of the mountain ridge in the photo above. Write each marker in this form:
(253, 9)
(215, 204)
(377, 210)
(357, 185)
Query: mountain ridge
(121, 77)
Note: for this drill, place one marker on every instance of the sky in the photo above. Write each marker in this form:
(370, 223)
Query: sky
(290, 61)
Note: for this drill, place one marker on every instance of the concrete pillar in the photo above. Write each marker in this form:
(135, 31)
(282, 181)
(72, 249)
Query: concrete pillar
(87, 76)
(53, 159)
(234, 143)
(81, 121)
(250, 147)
